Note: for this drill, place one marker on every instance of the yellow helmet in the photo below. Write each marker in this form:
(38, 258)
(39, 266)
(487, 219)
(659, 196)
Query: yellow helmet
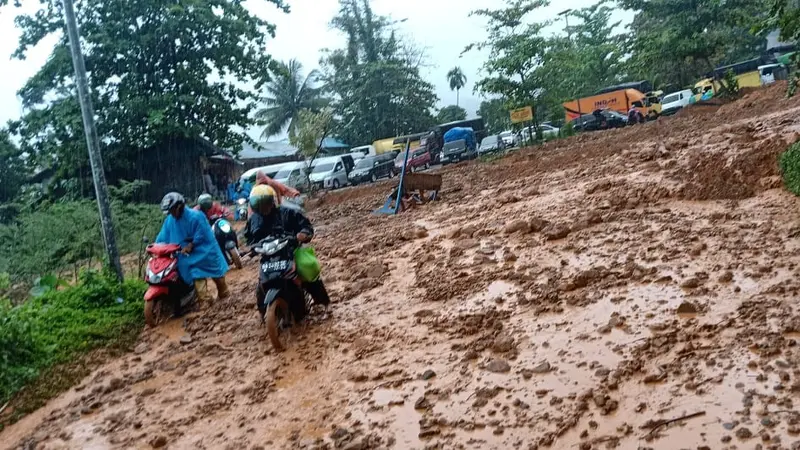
(260, 194)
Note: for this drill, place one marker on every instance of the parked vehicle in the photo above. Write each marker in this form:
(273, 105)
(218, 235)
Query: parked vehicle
(331, 172)
(228, 241)
(372, 168)
(362, 152)
(383, 145)
(269, 171)
(286, 303)
(548, 131)
(676, 101)
(600, 120)
(771, 73)
(167, 290)
(509, 138)
(617, 98)
(459, 144)
(414, 140)
(491, 144)
(293, 175)
(418, 159)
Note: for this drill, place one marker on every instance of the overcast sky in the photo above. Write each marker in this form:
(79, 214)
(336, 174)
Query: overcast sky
(442, 27)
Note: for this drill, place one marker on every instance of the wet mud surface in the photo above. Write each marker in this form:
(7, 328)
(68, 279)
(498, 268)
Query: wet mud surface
(625, 289)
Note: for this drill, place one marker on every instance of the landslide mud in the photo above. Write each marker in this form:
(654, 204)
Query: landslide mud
(625, 289)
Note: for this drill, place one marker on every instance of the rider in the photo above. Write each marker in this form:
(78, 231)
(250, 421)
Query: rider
(269, 219)
(635, 116)
(201, 257)
(213, 210)
(281, 190)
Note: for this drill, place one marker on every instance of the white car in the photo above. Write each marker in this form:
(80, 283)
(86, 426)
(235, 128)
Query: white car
(508, 138)
(676, 101)
(548, 131)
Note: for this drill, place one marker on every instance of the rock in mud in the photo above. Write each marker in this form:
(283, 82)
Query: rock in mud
(428, 374)
(186, 339)
(515, 226)
(744, 433)
(158, 441)
(541, 368)
(503, 344)
(691, 283)
(498, 366)
(339, 434)
(422, 403)
(141, 348)
(556, 231)
(726, 277)
(687, 308)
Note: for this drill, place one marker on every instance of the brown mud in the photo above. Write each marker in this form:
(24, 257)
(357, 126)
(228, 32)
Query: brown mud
(624, 289)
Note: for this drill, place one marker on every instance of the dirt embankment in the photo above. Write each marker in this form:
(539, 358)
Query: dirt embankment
(631, 288)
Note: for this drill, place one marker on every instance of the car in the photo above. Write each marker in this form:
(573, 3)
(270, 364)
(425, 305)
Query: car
(676, 101)
(371, 168)
(508, 138)
(599, 120)
(419, 159)
(548, 132)
(490, 144)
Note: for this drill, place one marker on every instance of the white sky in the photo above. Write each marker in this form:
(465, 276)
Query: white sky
(442, 27)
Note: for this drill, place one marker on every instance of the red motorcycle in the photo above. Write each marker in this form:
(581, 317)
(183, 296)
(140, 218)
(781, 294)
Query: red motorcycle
(167, 289)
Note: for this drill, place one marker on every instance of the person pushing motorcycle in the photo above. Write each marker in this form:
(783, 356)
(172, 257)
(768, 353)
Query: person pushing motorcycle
(200, 257)
(213, 210)
(269, 220)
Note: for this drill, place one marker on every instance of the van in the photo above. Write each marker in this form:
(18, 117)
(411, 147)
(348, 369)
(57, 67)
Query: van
(676, 101)
(362, 152)
(771, 73)
(293, 175)
(269, 171)
(331, 173)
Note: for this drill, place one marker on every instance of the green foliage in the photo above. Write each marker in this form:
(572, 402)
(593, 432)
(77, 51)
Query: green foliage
(451, 113)
(784, 15)
(12, 168)
(154, 67)
(674, 42)
(729, 87)
(128, 191)
(288, 93)
(47, 283)
(375, 80)
(311, 130)
(53, 328)
(495, 115)
(790, 168)
(59, 236)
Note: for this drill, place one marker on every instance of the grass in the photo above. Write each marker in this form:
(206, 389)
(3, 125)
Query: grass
(790, 168)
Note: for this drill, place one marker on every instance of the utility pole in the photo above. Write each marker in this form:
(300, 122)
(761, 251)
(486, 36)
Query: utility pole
(92, 141)
(565, 14)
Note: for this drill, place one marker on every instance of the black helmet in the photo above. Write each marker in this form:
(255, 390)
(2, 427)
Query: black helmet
(170, 201)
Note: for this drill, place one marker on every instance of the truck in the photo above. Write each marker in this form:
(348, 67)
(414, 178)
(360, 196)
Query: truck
(748, 73)
(459, 144)
(619, 98)
(434, 141)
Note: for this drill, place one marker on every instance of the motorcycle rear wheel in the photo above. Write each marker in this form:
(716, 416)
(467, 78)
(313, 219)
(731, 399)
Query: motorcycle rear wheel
(278, 310)
(152, 312)
(236, 258)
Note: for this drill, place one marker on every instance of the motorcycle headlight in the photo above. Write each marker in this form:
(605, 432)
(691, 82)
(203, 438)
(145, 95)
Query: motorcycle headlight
(154, 278)
(241, 201)
(270, 248)
(224, 226)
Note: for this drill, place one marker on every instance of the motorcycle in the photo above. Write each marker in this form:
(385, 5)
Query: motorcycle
(227, 240)
(166, 286)
(285, 301)
(241, 209)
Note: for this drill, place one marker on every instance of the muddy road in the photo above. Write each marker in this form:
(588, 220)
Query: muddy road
(625, 289)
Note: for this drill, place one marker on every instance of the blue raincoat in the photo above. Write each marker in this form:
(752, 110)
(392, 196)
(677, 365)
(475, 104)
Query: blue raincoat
(206, 259)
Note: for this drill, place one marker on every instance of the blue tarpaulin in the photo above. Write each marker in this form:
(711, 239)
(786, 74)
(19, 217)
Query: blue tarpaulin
(457, 134)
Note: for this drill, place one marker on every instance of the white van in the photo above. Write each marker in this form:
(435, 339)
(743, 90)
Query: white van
(331, 172)
(676, 101)
(293, 175)
(269, 171)
(768, 73)
(362, 152)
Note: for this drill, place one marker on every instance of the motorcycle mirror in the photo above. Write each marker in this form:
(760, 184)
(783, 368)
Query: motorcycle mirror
(145, 240)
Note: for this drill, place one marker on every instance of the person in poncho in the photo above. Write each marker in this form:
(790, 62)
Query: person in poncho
(200, 257)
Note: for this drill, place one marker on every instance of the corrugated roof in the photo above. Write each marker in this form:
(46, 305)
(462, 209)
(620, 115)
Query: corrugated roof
(274, 149)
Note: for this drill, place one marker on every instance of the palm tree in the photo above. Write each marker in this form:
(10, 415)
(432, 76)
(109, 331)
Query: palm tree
(288, 93)
(457, 81)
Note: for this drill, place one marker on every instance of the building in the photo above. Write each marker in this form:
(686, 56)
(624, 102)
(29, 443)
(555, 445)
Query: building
(270, 153)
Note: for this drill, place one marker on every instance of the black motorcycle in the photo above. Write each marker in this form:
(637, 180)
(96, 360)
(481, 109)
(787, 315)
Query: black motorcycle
(228, 241)
(285, 301)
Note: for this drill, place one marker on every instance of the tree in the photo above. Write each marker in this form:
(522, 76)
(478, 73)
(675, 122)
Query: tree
(784, 15)
(516, 51)
(375, 82)
(684, 39)
(159, 70)
(457, 80)
(12, 168)
(495, 115)
(288, 93)
(312, 128)
(451, 113)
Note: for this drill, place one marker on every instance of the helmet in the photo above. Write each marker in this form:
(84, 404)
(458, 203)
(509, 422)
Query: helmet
(170, 201)
(261, 193)
(205, 201)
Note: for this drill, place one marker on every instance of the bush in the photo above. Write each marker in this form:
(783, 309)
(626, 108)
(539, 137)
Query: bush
(59, 325)
(790, 168)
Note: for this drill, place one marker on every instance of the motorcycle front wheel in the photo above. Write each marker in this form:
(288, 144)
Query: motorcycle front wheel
(278, 316)
(236, 258)
(152, 312)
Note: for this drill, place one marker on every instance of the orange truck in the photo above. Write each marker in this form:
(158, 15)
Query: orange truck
(619, 100)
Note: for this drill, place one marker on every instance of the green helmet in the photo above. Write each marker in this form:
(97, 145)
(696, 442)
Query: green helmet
(205, 202)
